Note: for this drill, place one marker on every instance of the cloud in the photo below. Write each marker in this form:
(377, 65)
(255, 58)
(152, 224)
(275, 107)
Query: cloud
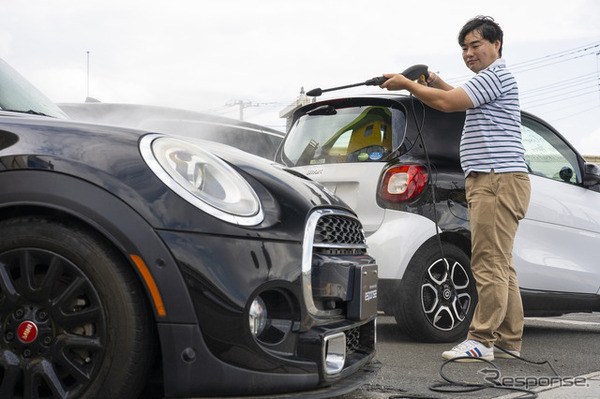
(199, 55)
(590, 144)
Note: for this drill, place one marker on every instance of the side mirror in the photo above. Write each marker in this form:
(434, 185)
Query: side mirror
(566, 174)
(591, 175)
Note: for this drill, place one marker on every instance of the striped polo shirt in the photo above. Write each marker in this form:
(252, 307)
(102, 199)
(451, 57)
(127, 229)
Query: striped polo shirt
(491, 136)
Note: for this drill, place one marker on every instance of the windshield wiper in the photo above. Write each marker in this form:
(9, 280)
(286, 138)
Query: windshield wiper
(32, 112)
(322, 110)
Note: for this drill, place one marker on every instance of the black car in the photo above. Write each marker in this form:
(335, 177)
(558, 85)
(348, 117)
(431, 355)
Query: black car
(255, 139)
(396, 163)
(125, 254)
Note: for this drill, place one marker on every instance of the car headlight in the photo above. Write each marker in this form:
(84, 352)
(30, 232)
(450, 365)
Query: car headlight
(202, 179)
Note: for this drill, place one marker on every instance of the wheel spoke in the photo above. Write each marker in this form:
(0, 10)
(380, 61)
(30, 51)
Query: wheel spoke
(75, 286)
(461, 305)
(43, 372)
(27, 266)
(75, 353)
(429, 298)
(89, 314)
(9, 362)
(50, 280)
(67, 341)
(437, 272)
(443, 319)
(8, 291)
(459, 276)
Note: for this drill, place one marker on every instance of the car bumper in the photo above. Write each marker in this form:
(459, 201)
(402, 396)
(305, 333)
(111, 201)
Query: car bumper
(218, 356)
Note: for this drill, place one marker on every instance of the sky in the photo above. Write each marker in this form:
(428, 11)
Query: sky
(213, 55)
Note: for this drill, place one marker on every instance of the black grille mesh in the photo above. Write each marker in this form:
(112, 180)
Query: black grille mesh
(352, 340)
(336, 229)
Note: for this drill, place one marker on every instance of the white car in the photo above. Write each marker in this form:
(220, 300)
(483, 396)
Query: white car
(396, 163)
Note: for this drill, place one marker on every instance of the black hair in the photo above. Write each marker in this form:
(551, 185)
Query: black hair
(486, 27)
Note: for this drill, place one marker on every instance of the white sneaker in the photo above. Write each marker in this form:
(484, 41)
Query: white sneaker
(472, 349)
(502, 353)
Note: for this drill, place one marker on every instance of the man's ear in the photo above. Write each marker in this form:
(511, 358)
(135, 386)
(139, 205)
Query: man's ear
(497, 44)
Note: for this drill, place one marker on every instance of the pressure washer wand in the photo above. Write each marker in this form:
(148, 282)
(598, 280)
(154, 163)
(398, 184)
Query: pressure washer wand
(371, 82)
(412, 73)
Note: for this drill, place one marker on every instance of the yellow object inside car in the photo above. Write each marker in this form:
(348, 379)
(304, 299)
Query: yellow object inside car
(371, 128)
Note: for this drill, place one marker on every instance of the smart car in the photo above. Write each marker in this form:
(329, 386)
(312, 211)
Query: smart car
(395, 161)
(129, 256)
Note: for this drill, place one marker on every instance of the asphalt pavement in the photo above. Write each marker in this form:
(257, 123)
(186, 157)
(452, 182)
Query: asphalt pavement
(565, 349)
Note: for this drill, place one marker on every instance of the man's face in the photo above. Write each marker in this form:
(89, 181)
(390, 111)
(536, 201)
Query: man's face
(479, 53)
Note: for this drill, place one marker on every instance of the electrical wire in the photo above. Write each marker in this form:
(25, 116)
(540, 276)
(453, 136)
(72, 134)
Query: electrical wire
(575, 94)
(545, 61)
(431, 181)
(553, 59)
(458, 387)
(582, 82)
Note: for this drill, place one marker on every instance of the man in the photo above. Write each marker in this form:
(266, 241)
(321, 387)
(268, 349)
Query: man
(497, 183)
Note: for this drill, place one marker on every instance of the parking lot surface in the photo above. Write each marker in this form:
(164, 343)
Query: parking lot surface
(568, 343)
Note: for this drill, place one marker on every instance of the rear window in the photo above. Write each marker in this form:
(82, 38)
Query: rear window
(340, 135)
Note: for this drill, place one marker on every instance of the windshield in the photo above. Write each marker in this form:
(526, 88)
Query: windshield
(18, 95)
(355, 134)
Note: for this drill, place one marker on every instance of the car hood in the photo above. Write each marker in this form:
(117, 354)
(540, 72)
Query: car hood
(109, 157)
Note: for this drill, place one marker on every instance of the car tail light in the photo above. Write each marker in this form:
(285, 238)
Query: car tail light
(403, 182)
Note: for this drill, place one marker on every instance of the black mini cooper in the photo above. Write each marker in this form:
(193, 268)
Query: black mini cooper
(126, 254)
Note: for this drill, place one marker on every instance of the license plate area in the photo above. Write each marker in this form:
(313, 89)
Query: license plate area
(364, 301)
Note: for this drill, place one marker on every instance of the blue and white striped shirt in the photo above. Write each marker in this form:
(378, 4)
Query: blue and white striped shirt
(491, 136)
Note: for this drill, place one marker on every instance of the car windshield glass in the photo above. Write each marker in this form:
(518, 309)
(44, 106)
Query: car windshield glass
(353, 134)
(18, 95)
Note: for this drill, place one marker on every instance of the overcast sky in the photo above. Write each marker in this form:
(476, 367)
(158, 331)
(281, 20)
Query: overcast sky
(210, 55)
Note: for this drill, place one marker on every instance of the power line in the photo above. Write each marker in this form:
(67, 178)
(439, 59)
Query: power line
(545, 61)
(556, 58)
(577, 95)
(554, 120)
(576, 88)
(578, 80)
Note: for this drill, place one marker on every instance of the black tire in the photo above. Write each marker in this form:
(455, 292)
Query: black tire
(93, 333)
(435, 305)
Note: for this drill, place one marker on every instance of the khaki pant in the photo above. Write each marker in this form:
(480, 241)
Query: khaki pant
(497, 201)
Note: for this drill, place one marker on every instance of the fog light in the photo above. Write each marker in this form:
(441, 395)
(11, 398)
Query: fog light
(257, 316)
(334, 349)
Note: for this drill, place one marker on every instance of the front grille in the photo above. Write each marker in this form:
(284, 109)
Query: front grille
(334, 240)
(337, 229)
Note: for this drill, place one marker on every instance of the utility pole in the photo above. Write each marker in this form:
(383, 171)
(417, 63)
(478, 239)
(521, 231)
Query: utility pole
(89, 99)
(243, 104)
(88, 75)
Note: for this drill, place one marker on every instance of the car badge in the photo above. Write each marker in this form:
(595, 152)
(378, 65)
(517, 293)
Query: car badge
(27, 332)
